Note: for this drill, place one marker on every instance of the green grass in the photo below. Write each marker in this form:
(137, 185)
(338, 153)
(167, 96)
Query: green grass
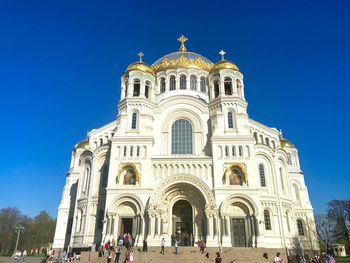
(341, 259)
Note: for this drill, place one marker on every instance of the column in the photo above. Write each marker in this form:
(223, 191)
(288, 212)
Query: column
(226, 239)
(222, 87)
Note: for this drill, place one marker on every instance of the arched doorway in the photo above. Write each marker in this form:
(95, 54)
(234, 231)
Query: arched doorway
(183, 223)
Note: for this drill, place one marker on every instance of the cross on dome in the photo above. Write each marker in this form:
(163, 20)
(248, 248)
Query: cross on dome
(140, 55)
(182, 40)
(222, 53)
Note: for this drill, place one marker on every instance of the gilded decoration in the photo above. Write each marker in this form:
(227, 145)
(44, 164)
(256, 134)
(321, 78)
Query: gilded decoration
(141, 67)
(232, 177)
(182, 62)
(284, 142)
(224, 64)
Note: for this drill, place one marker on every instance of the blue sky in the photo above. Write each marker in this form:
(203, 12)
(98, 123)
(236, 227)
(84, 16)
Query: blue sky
(61, 63)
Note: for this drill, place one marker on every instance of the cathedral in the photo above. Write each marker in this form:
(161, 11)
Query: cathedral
(183, 160)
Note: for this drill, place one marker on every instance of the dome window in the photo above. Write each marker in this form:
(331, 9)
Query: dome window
(136, 91)
(162, 85)
(193, 82)
(172, 83)
(202, 84)
(182, 82)
(228, 86)
(216, 89)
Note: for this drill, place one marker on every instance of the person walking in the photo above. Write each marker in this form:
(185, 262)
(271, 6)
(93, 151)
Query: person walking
(277, 258)
(218, 258)
(117, 254)
(162, 244)
(176, 246)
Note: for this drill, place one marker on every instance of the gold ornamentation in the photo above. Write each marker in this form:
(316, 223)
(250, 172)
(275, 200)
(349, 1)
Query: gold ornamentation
(222, 53)
(182, 40)
(224, 64)
(182, 62)
(285, 143)
(141, 67)
(83, 145)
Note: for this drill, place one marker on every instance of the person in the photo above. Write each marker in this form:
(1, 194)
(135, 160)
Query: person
(24, 255)
(303, 260)
(331, 259)
(109, 257)
(277, 258)
(144, 246)
(128, 256)
(162, 243)
(201, 246)
(218, 258)
(117, 254)
(176, 246)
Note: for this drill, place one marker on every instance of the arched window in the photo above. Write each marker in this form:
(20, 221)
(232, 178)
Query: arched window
(193, 82)
(273, 144)
(296, 192)
(126, 88)
(202, 84)
(87, 181)
(216, 89)
(233, 151)
(262, 175)
(131, 151)
(229, 120)
(181, 137)
(267, 141)
(300, 227)
(256, 137)
(228, 86)
(138, 151)
(136, 91)
(267, 220)
(288, 224)
(162, 85)
(240, 151)
(281, 175)
(134, 121)
(101, 141)
(239, 87)
(182, 82)
(172, 83)
(124, 152)
(104, 175)
(147, 89)
(289, 161)
(226, 151)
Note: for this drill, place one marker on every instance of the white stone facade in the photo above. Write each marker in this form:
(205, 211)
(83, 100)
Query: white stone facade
(224, 177)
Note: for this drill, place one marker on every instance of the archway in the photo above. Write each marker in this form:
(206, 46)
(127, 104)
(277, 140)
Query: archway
(182, 222)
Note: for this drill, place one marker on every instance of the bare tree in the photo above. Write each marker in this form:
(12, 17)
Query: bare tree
(325, 230)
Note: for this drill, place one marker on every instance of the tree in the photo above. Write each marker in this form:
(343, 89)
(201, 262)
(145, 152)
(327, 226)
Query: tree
(325, 230)
(339, 211)
(9, 218)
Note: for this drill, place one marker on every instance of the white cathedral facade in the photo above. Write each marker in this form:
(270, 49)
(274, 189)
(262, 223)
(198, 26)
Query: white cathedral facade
(183, 160)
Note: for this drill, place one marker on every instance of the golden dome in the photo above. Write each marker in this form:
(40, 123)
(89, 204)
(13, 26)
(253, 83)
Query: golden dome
(139, 66)
(286, 143)
(182, 59)
(224, 64)
(82, 145)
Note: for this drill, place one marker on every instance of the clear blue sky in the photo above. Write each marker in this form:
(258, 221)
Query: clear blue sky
(61, 63)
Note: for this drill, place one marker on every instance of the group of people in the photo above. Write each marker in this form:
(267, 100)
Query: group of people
(21, 255)
(124, 240)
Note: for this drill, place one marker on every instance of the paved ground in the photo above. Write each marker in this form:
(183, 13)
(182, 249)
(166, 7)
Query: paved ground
(28, 260)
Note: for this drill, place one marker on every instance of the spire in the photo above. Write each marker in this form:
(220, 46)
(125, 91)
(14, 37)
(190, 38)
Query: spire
(182, 40)
(222, 53)
(140, 55)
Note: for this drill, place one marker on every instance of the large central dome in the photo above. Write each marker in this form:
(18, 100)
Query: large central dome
(182, 59)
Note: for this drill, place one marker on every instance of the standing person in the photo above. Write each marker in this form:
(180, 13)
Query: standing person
(277, 258)
(201, 246)
(218, 258)
(24, 255)
(117, 254)
(162, 243)
(176, 246)
(144, 246)
(109, 257)
(303, 260)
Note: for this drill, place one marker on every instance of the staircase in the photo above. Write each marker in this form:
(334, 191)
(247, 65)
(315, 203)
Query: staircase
(192, 254)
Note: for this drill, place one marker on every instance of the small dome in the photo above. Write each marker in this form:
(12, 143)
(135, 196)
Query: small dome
(82, 145)
(139, 66)
(182, 59)
(286, 143)
(224, 64)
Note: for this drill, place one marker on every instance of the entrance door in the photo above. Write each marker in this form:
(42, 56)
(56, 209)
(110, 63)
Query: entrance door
(238, 232)
(126, 225)
(183, 223)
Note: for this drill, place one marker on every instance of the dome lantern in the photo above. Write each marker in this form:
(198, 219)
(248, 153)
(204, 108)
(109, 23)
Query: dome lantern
(140, 65)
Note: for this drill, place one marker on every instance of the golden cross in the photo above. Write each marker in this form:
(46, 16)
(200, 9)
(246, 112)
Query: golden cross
(182, 40)
(222, 53)
(140, 55)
